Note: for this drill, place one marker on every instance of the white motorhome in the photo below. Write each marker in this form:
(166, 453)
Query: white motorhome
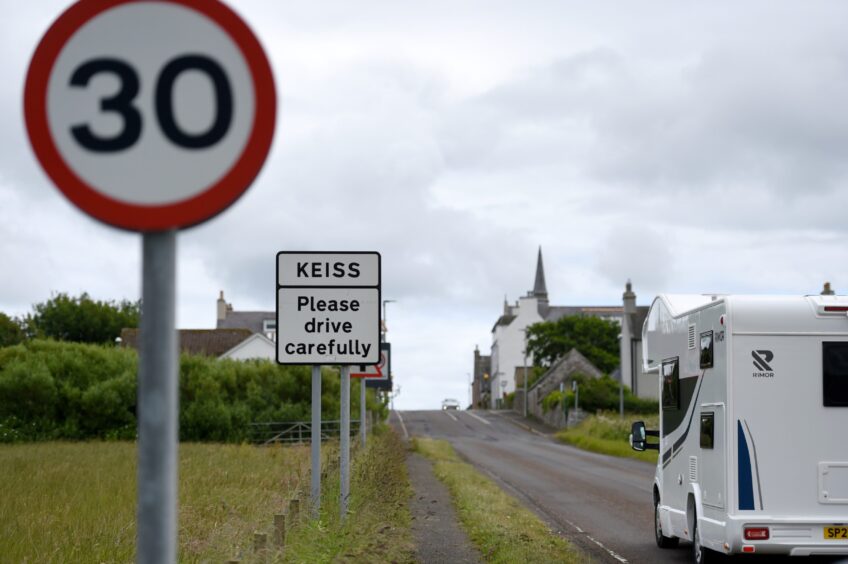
(753, 437)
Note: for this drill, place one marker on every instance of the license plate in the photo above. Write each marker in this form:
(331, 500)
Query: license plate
(836, 533)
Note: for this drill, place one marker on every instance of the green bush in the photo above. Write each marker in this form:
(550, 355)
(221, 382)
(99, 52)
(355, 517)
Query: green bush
(599, 394)
(60, 390)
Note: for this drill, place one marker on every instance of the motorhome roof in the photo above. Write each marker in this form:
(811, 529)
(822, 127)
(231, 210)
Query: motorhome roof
(679, 304)
(768, 312)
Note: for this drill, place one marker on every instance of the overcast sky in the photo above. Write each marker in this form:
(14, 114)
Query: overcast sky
(689, 146)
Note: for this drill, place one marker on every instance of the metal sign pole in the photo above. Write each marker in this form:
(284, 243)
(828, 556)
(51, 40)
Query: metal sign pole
(362, 428)
(345, 442)
(316, 440)
(158, 402)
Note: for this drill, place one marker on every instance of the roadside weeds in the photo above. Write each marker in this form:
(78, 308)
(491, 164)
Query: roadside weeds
(501, 528)
(378, 525)
(606, 433)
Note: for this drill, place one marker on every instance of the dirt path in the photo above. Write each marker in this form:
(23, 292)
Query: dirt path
(438, 534)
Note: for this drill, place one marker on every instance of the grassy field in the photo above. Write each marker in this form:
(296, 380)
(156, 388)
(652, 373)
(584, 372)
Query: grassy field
(75, 502)
(606, 433)
(502, 529)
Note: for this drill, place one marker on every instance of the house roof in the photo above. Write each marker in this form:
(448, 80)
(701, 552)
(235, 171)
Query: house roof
(208, 342)
(578, 362)
(255, 337)
(251, 320)
(503, 320)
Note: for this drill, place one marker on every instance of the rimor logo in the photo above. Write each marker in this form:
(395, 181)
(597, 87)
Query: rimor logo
(761, 363)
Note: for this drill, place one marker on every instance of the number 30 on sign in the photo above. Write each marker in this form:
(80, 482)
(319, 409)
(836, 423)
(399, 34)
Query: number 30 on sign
(150, 115)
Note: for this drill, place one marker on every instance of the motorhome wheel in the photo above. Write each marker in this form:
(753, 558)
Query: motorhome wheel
(700, 554)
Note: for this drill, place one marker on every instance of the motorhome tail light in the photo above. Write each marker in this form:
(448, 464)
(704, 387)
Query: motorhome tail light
(749, 549)
(836, 309)
(756, 533)
(721, 320)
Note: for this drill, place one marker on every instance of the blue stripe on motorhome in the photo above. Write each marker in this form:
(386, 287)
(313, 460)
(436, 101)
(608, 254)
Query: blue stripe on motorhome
(746, 482)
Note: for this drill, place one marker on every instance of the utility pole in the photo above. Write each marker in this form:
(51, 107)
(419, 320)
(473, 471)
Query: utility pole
(525, 373)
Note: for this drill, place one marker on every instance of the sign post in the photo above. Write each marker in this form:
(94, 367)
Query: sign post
(316, 441)
(328, 312)
(135, 146)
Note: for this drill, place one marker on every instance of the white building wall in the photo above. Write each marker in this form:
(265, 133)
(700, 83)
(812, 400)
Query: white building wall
(508, 346)
(253, 347)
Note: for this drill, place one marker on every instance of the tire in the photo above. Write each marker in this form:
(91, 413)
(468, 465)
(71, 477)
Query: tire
(700, 554)
(662, 540)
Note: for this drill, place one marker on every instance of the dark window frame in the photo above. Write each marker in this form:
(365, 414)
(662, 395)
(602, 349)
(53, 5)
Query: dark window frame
(710, 444)
(671, 384)
(834, 385)
(706, 363)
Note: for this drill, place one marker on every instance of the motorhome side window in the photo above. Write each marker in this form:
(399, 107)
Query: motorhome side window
(671, 384)
(707, 429)
(707, 349)
(835, 374)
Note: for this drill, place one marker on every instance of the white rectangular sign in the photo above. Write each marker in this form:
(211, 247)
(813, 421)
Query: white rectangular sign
(322, 321)
(327, 269)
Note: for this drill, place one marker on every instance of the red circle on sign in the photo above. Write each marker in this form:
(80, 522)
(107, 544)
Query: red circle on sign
(198, 208)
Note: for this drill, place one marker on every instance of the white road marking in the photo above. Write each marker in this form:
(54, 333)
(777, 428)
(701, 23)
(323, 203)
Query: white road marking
(449, 415)
(477, 417)
(611, 553)
(402, 426)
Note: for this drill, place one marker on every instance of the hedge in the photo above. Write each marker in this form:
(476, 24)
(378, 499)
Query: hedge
(59, 390)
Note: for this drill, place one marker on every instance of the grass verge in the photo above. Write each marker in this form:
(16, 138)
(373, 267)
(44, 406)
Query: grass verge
(607, 433)
(502, 529)
(76, 502)
(378, 527)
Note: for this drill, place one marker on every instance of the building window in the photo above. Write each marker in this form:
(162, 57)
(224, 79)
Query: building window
(269, 328)
(671, 384)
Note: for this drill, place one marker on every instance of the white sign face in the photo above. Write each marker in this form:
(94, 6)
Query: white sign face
(328, 325)
(150, 114)
(328, 308)
(328, 269)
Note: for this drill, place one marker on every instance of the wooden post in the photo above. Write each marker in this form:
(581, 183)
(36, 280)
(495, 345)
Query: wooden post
(280, 529)
(294, 509)
(260, 541)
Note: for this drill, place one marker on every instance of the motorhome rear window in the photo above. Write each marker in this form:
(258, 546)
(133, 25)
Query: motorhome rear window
(835, 374)
(707, 349)
(671, 384)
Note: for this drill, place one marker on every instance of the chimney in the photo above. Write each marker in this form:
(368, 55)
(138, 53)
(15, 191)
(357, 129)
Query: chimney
(222, 307)
(827, 291)
(629, 298)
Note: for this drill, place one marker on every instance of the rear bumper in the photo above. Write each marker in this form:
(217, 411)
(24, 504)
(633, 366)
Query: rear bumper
(786, 536)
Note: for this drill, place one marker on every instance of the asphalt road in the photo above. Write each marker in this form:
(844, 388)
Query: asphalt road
(601, 503)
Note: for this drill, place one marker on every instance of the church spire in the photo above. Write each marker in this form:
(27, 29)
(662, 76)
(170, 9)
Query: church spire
(539, 289)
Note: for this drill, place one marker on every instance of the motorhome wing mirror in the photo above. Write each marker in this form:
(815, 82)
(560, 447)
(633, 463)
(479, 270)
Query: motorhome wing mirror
(637, 436)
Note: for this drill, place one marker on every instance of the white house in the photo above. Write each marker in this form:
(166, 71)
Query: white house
(255, 346)
(508, 331)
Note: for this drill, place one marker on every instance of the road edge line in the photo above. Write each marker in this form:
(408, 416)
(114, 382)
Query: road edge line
(402, 426)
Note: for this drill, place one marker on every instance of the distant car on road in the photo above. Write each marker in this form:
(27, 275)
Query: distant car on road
(450, 404)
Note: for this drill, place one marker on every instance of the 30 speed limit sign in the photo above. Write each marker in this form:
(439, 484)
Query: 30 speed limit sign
(150, 115)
